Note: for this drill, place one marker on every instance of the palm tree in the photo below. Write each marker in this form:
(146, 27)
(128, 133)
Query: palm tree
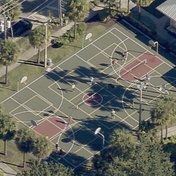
(11, 8)
(8, 55)
(37, 38)
(122, 142)
(47, 169)
(8, 128)
(170, 113)
(25, 142)
(163, 113)
(42, 148)
(77, 10)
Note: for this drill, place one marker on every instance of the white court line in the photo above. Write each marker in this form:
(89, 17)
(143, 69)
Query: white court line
(83, 92)
(89, 63)
(53, 123)
(114, 28)
(20, 105)
(144, 47)
(160, 94)
(71, 56)
(64, 60)
(41, 97)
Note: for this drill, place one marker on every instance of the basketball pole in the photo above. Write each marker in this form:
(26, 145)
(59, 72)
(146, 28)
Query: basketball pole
(140, 107)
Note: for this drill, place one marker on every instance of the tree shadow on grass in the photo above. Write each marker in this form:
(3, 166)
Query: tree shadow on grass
(29, 62)
(69, 160)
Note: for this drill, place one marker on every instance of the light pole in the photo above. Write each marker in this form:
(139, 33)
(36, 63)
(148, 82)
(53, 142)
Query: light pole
(46, 42)
(97, 131)
(141, 87)
(5, 26)
(60, 12)
(46, 36)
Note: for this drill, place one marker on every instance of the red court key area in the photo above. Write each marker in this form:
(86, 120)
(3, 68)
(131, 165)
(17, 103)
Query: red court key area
(140, 67)
(50, 127)
(92, 99)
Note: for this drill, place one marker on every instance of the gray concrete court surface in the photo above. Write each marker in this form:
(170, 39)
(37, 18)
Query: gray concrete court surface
(91, 105)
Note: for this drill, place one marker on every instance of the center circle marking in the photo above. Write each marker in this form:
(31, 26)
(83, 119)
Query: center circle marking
(92, 99)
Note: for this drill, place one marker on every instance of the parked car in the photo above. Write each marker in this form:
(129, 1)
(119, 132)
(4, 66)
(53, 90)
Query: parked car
(20, 28)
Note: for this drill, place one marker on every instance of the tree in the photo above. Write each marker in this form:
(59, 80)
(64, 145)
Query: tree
(77, 10)
(42, 148)
(8, 55)
(8, 128)
(163, 112)
(142, 3)
(12, 9)
(25, 142)
(112, 7)
(48, 169)
(121, 148)
(150, 159)
(124, 140)
(37, 38)
(147, 158)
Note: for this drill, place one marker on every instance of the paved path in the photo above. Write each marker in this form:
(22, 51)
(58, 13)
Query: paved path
(7, 171)
(32, 51)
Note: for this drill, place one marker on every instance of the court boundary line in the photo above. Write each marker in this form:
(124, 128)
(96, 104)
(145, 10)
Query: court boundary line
(97, 92)
(153, 99)
(113, 28)
(20, 105)
(57, 65)
(42, 75)
(144, 48)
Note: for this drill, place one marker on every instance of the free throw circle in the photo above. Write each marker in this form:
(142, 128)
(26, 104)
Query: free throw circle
(92, 99)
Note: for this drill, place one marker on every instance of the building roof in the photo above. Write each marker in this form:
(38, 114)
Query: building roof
(168, 8)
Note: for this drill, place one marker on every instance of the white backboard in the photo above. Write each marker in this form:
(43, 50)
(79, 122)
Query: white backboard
(88, 36)
(97, 130)
(23, 79)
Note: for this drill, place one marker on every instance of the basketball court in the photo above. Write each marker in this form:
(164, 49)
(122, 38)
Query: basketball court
(45, 104)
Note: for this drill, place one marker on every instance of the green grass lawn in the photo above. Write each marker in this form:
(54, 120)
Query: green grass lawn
(14, 158)
(152, 8)
(33, 71)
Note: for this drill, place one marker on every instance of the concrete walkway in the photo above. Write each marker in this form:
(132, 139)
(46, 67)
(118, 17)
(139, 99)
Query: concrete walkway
(7, 171)
(32, 51)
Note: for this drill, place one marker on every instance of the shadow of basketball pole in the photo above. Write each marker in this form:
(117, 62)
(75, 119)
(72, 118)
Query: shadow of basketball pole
(141, 86)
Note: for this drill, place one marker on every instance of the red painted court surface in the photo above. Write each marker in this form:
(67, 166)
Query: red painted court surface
(140, 67)
(92, 99)
(50, 127)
